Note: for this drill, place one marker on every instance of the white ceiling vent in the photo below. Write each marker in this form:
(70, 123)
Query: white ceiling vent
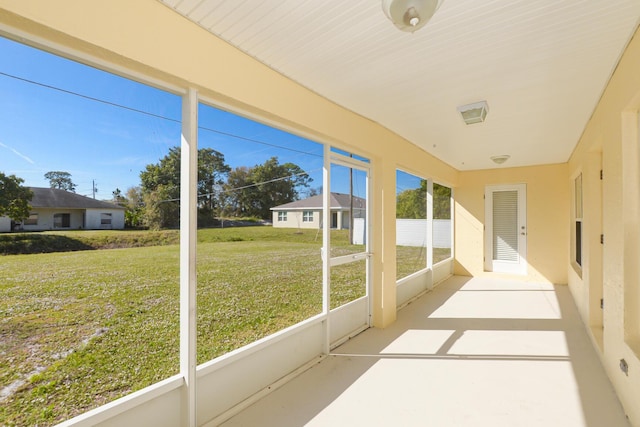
(474, 113)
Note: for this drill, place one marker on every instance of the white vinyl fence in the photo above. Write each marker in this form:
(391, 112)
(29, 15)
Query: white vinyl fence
(412, 232)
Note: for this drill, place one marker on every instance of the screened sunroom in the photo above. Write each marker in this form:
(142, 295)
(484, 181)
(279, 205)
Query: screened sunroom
(495, 150)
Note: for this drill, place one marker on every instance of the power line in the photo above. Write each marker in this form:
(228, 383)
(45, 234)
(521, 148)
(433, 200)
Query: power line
(259, 142)
(114, 104)
(265, 182)
(230, 190)
(91, 98)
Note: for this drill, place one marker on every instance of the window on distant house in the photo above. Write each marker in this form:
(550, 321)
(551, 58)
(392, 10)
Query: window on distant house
(61, 220)
(307, 216)
(105, 219)
(32, 220)
(578, 219)
(282, 216)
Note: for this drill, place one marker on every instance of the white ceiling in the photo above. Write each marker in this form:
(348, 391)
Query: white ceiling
(541, 65)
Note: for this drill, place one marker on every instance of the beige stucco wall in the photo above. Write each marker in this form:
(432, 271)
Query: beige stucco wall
(147, 40)
(611, 137)
(294, 220)
(45, 219)
(93, 219)
(547, 232)
(5, 224)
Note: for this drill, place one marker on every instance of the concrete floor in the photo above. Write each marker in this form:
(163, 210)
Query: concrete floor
(474, 352)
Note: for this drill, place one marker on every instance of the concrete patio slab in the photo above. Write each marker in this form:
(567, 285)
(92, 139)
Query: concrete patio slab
(473, 352)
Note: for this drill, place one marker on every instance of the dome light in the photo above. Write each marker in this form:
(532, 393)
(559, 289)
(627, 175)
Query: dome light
(410, 15)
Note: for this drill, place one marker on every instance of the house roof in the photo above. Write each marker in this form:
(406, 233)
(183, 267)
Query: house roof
(338, 201)
(56, 198)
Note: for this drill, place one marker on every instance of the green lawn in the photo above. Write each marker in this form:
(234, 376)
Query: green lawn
(81, 240)
(79, 329)
(410, 259)
(92, 325)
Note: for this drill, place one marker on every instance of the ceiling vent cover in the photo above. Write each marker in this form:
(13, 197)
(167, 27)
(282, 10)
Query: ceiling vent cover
(474, 113)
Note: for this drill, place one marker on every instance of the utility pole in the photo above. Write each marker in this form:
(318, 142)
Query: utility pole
(94, 189)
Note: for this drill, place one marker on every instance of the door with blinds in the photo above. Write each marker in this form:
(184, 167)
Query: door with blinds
(506, 228)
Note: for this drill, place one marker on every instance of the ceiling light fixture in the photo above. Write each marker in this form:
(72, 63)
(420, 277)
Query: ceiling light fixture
(410, 15)
(474, 113)
(500, 159)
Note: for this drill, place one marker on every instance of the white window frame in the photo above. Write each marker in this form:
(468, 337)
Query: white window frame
(577, 240)
(32, 220)
(106, 218)
(282, 216)
(307, 216)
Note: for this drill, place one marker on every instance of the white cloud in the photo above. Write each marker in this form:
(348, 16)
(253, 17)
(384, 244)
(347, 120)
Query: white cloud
(17, 153)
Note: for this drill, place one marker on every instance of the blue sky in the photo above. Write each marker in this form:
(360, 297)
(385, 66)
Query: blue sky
(43, 129)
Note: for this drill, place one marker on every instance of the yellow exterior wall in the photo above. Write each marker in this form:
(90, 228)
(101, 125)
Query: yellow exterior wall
(547, 205)
(145, 39)
(611, 137)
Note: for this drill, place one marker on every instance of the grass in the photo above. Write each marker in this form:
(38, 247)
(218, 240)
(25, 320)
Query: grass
(81, 240)
(80, 329)
(410, 259)
(91, 326)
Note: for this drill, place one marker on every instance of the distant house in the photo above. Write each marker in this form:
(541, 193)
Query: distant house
(54, 209)
(307, 213)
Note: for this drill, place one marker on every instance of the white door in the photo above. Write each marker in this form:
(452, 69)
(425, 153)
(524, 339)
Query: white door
(506, 228)
(347, 253)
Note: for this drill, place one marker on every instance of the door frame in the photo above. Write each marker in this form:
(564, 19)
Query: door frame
(519, 267)
(354, 316)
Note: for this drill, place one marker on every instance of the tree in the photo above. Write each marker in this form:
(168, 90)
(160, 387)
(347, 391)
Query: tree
(160, 185)
(211, 173)
(254, 191)
(441, 202)
(314, 192)
(412, 203)
(61, 180)
(134, 203)
(14, 198)
(161, 211)
(238, 192)
(277, 184)
(164, 177)
(166, 173)
(118, 198)
(134, 197)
